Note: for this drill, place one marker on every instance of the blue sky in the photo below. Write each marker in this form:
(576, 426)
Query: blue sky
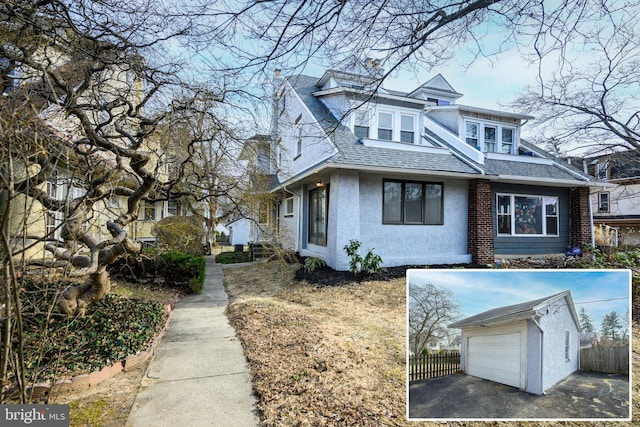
(598, 291)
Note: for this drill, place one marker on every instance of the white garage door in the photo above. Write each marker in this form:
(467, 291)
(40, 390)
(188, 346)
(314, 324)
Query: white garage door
(495, 358)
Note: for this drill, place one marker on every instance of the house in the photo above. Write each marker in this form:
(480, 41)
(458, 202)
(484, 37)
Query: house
(616, 205)
(588, 340)
(531, 345)
(66, 178)
(239, 231)
(414, 176)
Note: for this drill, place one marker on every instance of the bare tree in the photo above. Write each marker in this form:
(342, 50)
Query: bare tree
(87, 94)
(588, 90)
(431, 309)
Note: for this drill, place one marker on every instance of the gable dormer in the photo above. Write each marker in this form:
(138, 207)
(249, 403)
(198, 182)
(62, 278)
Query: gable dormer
(437, 90)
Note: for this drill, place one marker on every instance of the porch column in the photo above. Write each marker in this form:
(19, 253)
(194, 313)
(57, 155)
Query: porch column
(480, 224)
(580, 216)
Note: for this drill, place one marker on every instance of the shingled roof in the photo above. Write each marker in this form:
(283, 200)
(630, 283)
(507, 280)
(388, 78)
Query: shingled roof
(513, 313)
(351, 152)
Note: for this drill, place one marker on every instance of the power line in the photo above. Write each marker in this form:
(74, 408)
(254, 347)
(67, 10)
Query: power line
(600, 300)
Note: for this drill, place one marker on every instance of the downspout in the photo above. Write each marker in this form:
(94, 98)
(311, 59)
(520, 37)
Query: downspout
(541, 354)
(593, 239)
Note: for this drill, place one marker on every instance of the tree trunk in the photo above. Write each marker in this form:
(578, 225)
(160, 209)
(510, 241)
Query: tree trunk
(76, 298)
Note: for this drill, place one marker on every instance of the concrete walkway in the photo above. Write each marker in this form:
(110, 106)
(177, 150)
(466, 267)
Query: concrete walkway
(198, 375)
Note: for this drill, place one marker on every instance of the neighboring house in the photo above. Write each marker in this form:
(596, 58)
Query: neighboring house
(588, 340)
(531, 345)
(67, 180)
(239, 232)
(413, 175)
(616, 206)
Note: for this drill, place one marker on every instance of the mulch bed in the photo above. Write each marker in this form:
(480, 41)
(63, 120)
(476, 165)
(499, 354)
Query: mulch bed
(327, 276)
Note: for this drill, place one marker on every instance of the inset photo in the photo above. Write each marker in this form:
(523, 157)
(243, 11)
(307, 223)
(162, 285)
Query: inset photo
(518, 344)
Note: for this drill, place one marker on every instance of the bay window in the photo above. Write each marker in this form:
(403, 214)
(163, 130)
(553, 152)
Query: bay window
(522, 215)
(410, 202)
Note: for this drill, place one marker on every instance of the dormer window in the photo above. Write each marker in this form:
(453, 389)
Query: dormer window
(602, 170)
(407, 129)
(490, 137)
(385, 126)
(361, 123)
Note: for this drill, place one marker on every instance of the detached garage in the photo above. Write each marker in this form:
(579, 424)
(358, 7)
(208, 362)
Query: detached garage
(530, 346)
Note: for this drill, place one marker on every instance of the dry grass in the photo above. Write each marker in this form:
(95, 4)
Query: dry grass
(328, 356)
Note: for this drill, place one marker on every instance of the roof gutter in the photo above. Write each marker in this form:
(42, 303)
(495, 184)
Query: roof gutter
(377, 169)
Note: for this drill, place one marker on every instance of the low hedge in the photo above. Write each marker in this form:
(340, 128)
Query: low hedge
(169, 269)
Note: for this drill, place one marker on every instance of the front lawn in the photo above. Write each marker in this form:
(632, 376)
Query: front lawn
(322, 354)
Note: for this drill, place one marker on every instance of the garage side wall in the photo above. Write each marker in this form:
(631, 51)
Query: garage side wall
(534, 359)
(556, 322)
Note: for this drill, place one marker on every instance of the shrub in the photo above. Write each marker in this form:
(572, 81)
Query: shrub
(313, 263)
(371, 263)
(180, 233)
(186, 266)
(175, 269)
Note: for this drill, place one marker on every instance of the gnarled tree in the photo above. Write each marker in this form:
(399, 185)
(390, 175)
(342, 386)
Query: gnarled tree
(86, 117)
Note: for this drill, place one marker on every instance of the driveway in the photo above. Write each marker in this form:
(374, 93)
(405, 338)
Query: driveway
(579, 396)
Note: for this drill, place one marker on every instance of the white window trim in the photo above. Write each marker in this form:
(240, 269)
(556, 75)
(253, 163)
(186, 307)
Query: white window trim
(298, 137)
(512, 197)
(392, 128)
(367, 113)
(498, 142)
(412, 130)
(288, 212)
(604, 193)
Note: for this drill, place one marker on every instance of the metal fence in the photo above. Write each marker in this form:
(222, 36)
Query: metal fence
(433, 365)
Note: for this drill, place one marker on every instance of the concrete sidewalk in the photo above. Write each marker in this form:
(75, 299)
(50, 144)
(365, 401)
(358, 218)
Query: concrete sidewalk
(198, 375)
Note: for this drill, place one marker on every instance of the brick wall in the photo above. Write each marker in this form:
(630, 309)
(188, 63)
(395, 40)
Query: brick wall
(579, 216)
(480, 224)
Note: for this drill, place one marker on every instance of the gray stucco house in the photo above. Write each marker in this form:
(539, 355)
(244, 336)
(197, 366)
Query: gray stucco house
(416, 176)
(531, 345)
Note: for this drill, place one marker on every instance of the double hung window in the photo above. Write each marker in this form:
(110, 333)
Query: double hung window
(472, 133)
(407, 129)
(361, 124)
(490, 138)
(490, 133)
(507, 140)
(385, 126)
(603, 202)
